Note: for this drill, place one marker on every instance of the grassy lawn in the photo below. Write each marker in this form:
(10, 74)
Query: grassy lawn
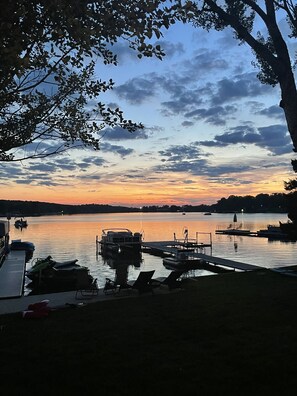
(222, 335)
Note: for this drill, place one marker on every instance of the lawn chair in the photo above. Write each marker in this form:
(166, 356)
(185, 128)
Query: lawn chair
(110, 287)
(120, 282)
(87, 292)
(172, 280)
(143, 283)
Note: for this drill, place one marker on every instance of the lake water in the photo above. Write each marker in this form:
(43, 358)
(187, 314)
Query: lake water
(69, 237)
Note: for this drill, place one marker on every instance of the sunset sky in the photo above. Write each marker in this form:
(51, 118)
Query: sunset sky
(211, 130)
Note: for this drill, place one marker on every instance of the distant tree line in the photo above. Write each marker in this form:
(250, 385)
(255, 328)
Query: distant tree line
(277, 203)
(261, 203)
(35, 208)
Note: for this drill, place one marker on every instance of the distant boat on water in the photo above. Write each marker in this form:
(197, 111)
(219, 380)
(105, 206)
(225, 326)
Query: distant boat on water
(21, 223)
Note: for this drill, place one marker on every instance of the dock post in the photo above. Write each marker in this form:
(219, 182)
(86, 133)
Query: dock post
(210, 239)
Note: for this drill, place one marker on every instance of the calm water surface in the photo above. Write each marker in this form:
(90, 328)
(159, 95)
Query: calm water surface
(69, 237)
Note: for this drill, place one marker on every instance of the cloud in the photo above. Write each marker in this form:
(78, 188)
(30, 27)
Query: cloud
(118, 133)
(171, 49)
(182, 159)
(137, 90)
(181, 153)
(10, 171)
(204, 61)
(90, 161)
(141, 89)
(187, 123)
(276, 139)
(187, 93)
(120, 150)
(50, 173)
(273, 138)
(238, 87)
(216, 115)
(189, 159)
(125, 54)
(273, 112)
(181, 103)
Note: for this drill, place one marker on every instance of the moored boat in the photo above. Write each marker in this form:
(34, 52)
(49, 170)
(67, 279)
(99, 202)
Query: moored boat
(54, 274)
(182, 260)
(18, 244)
(27, 247)
(4, 239)
(21, 223)
(120, 240)
(272, 231)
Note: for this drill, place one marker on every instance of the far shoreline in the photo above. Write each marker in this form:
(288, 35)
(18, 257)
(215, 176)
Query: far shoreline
(2, 216)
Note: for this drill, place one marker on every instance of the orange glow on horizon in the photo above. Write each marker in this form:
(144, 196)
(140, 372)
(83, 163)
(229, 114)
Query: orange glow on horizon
(172, 190)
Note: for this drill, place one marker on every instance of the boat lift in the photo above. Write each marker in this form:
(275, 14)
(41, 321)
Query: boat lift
(195, 244)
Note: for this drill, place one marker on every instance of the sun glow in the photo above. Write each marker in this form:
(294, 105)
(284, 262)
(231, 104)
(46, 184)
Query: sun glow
(169, 189)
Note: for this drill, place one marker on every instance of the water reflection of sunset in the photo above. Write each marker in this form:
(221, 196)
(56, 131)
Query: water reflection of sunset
(74, 237)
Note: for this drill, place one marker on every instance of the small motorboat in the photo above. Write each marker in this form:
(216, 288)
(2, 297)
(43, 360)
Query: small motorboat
(21, 223)
(183, 260)
(27, 247)
(120, 240)
(56, 275)
(18, 244)
(273, 232)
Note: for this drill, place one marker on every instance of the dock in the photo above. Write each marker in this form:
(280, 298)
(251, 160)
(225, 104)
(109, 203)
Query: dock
(227, 263)
(168, 247)
(183, 244)
(171, 247)
(237, 232)
(12, 273)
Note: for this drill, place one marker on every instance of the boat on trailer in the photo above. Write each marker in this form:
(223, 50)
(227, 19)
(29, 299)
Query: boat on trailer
(120, 240)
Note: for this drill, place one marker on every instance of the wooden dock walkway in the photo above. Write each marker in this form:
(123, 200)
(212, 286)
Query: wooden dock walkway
(168, 247)
(12, 274)
(172, 246)
(227, 263)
